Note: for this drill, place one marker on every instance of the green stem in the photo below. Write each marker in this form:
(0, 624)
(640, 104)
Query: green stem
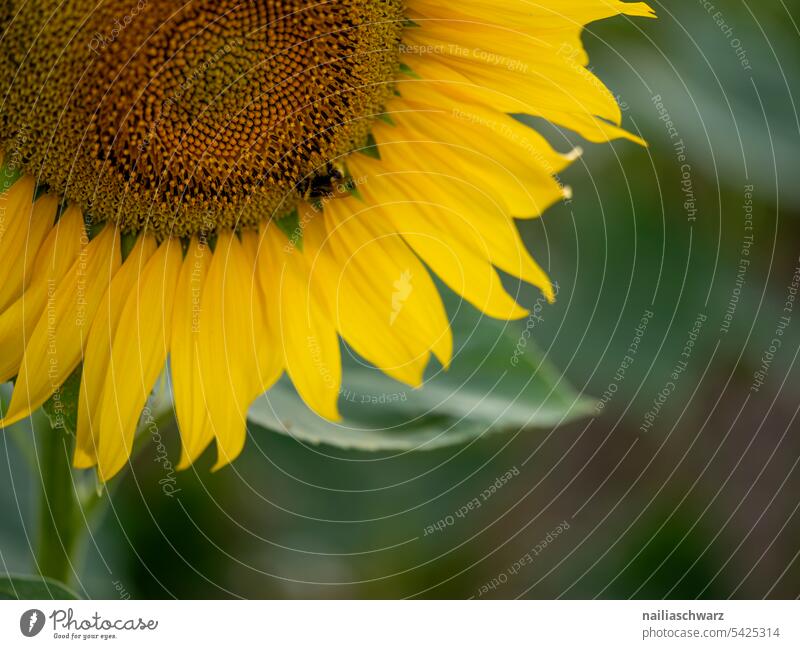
(59, 510)
(67, 502)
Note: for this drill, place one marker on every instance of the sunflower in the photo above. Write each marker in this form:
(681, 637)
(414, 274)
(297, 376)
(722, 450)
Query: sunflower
(228, 189)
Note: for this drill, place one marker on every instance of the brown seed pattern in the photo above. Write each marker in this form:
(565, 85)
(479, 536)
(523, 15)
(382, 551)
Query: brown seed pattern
(188, 117)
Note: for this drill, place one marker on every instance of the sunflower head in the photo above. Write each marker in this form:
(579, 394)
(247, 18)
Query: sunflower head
(176, 120)
(188, 118)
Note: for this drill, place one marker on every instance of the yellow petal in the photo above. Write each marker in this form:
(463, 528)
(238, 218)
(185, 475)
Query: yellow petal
(518, 58)
(264, 333)
(138, 354)
(190, 402)
(387, 306)
(60, 249)
(454, 205)
(21, 241)
(445, 236)
(308, 339)
(57, 343)
(98, 349)
(515, 164)
(460, 265)
(16, 205)
(229, 356)
(483, 89)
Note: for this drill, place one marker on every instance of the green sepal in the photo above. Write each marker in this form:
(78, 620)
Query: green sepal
(408, 71)
(371, 148)
(8, 176)
(61, 408)
(290, 226)
(93, 228)
(353, 191)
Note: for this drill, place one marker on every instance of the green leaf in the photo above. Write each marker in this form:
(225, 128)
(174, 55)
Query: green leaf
(483, 392)
(33, 587)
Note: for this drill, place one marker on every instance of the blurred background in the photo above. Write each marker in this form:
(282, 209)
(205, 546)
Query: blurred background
(683, 484)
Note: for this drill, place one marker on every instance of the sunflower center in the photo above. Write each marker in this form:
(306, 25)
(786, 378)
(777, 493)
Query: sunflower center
(188, 117)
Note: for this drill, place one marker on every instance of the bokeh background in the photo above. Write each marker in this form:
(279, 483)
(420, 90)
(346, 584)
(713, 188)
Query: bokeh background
(691, 494)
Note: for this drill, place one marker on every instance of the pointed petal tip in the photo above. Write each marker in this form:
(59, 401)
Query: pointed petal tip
(106, 472)
(329, 412)
(443, 349)
(14, 416)
(187, 460)
(641, 9)
(222, 462)
(520, 313)
(82, 460)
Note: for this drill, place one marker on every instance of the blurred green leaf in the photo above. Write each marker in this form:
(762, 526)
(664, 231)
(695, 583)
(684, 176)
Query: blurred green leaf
(33, 587)
(498, 382)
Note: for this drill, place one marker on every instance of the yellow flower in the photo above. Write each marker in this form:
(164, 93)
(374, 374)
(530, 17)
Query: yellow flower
(231, 187)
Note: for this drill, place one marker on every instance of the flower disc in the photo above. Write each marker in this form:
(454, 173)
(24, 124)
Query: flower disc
(187, 118)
